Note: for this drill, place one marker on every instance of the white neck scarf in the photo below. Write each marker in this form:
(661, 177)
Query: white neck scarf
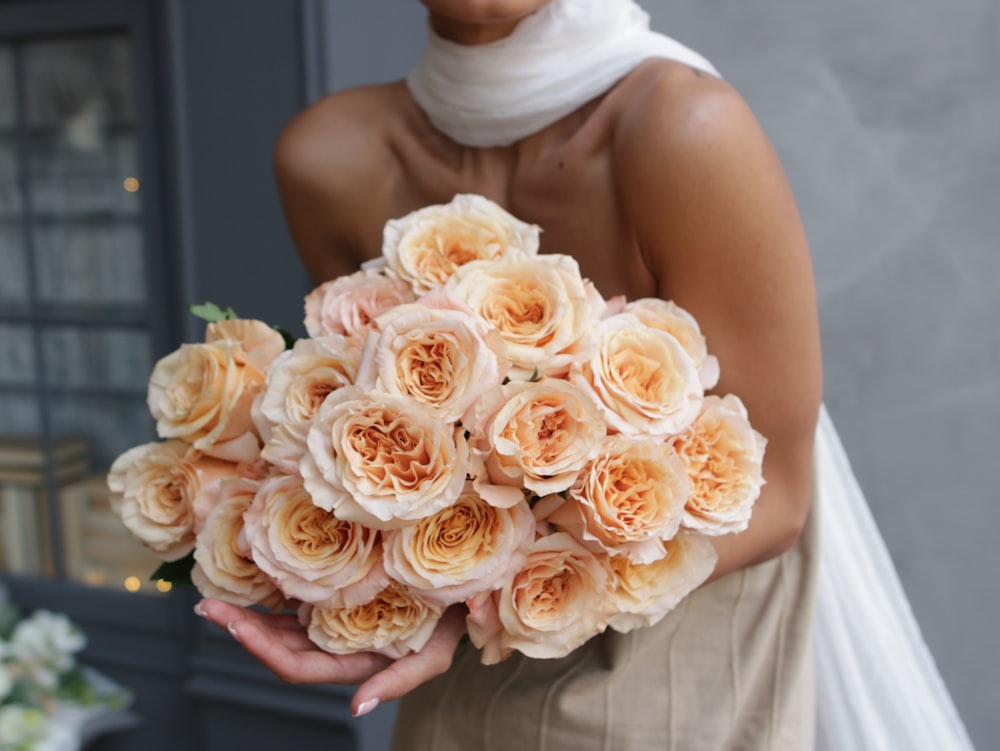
(556, 60)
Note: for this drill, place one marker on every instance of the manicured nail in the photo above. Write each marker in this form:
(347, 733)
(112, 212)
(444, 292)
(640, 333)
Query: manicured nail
(231, 628)
(365, 707)
(199, 610)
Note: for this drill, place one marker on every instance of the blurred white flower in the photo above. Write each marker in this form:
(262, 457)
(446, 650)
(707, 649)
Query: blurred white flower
(20, 725)
(6, 680)
(44, 644)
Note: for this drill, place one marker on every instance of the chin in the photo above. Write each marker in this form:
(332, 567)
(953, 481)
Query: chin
(483, 11)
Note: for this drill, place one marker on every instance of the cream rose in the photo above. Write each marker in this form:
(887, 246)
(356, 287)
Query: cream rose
(425, 247)
(442, 358)
(394, 623)
(668, 316)
(642, 378)
(297, 383)
(382, 460)
(346, 306)
(541, 306)
(312, 555)
(537, 435)
(224, 567)
(203, 393)
(156, 489)
(552, 605)
(629, 499)
(643, 593)
(465, 549)
(723, 456)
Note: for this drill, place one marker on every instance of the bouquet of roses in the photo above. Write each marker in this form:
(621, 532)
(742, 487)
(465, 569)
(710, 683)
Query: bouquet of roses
(469, 421)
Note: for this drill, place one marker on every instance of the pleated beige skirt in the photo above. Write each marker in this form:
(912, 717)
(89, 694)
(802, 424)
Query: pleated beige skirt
(730, 669)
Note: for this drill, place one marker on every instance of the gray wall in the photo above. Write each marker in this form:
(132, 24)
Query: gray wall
(885, 116)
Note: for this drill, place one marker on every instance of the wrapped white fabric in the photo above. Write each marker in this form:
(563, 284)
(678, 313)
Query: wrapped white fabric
(565, 54)
(878, 688)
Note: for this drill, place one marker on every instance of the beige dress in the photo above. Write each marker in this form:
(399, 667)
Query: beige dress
(730, 669)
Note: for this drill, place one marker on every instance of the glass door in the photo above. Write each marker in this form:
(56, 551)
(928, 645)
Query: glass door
(76, 317)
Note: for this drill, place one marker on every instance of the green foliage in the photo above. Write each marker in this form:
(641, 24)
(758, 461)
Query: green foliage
(176, 572)
(209, 311)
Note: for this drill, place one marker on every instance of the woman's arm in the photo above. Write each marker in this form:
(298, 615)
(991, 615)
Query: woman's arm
(717, 225)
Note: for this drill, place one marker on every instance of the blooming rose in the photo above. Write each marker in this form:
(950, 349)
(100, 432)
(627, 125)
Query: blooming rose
(347, 305)
(311, 554)
(426, 246)
(224, 568)
(723, 456)
(536, 435)
(156, 490)
(382, 460)
(541, 306)
(629, 499)
(642, 378)
(394, 623)
(297, 383)
(202, 393)
(666, 315)
(467, 548)
(552, 605)
(442, 358)
(643, 593)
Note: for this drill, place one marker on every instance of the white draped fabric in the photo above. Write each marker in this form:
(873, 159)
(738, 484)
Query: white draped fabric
(877, 686)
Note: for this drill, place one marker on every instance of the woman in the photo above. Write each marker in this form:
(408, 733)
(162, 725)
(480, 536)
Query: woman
(638, 160)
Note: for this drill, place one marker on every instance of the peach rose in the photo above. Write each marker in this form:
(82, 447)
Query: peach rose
(541, 306)
(642, 593)
(394, 623)
(629, 499)
(537, 435)
(467, 548)
(224, 567)
(156, 490)
(642, 378)
(442, 358)
(297, 383)
(312, 555)
(425, 247)
(667, 316)
(382, 460)
(203, 393)
(723, 456)
(552, 605)
(346, 306)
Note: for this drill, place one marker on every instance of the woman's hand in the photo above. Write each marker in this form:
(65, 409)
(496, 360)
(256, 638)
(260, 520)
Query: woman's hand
(280, 642)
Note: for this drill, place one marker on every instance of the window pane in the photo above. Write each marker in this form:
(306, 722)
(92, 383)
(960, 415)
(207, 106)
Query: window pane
(14, 277)
(17, 356)
(117, 358)
(79, 83)
(10, 196)
(90, 263)
(7, 116)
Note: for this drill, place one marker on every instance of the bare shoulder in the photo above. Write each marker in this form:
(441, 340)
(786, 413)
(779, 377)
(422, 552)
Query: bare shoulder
(700, 180)
(330, 161)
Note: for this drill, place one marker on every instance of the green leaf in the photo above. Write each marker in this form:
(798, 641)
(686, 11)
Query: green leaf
(209, 311)
(176, 572)
(286, 335)
(534, 376)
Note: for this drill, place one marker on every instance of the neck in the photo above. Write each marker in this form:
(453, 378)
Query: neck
(471, 33)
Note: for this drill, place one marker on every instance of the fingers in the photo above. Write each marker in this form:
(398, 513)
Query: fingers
(299, 661)
(406, 673)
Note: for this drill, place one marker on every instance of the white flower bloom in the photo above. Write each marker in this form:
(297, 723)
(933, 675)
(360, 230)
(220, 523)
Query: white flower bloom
(45, 644)
(20, 726)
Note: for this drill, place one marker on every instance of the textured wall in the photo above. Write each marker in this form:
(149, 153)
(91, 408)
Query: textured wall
(885, 116)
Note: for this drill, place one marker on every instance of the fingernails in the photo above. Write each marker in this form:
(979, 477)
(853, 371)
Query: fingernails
(199, 610)
(231, 628)
(365, 707)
